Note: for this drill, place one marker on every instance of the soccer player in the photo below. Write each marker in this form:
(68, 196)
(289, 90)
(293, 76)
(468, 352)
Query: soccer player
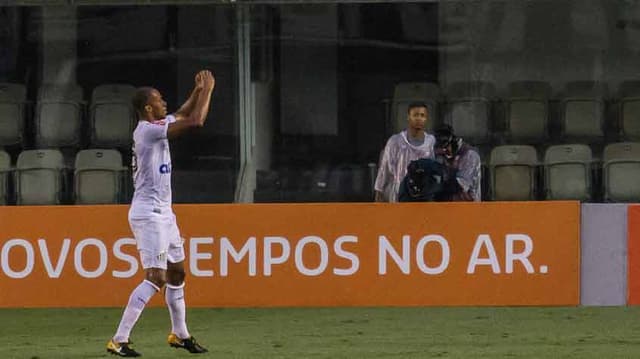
(150, 216)
(402, 148)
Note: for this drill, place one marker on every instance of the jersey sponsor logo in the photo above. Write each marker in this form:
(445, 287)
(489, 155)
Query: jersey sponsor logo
(165, 168)
(158, 122)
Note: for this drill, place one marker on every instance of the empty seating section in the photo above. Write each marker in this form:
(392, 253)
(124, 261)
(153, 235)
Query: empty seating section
(39, 177)
(5, 171)
(58, 116)
(567, 172)
(407, 92)
(513, 172)
(583, 156)
(621, 171)
(583, 111)
(527, 111)
(469, 110)
(12, 115)
(112, 115)
(98, 176)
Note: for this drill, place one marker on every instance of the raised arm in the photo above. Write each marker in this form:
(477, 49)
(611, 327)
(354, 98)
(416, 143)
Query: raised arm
(194, 111)
(187, 106)
(208, 86)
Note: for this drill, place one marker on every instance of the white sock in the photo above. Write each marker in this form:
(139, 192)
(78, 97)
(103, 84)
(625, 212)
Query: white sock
(174, 296)
(137, 301)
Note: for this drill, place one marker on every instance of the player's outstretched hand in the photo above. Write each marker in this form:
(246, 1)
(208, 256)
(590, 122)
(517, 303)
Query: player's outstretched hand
(209, 80)
(199, 80)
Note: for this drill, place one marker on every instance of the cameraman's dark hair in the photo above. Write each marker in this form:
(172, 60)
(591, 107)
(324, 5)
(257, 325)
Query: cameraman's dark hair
(140, 100)
(417, 105)
(444, 135)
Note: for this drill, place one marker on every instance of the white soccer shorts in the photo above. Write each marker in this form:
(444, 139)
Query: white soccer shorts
(158, 240)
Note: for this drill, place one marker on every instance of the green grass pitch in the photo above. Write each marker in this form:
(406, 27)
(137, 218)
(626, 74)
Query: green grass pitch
(467, 332)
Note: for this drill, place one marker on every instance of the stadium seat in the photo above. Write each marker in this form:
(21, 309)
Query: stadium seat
(5, 171)
(469, 109)
(112, 115)
(568, 172)
(527, 111)
(620, 171)
(12, 101)
(629, 110)
(98, 176)
(583, 111)
(314, 187)
(203, 186)
(408, 92)
(348, 183)
(39, 177)
(513, 172)
(58, 116)
(268, 187)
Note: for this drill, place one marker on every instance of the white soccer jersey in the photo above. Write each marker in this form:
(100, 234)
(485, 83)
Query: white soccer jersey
(151, 166)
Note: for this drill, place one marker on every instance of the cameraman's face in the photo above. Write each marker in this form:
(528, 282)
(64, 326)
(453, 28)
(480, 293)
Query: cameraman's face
(445, 151)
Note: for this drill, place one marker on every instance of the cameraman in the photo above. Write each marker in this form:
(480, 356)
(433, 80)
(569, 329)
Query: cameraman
(462, 164)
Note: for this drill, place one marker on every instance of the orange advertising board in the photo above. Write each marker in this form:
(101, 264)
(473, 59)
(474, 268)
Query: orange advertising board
(363, 254)
(633, 255)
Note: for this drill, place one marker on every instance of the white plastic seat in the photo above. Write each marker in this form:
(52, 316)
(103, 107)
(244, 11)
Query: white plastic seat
(583, 110)
(39, 177)
(98, 176)
(12, 100)
(568, 172)
(629, 110)
(620, 172)
(58, 117)
(469, 109)
(112, 115)
(513, 172)
(5, 171)
(527, 111)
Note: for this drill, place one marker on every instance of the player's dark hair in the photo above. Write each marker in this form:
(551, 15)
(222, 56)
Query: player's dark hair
(444, 135)
(140, 99)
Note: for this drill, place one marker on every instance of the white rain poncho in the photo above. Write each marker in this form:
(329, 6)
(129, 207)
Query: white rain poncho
(469, 172)
(394, 161)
